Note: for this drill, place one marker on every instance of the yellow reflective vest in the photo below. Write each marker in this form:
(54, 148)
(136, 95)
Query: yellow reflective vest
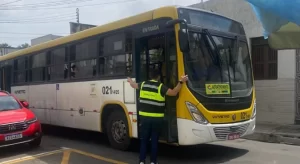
(152, 104)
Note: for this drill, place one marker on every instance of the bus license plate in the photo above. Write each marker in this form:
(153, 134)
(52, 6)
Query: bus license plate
(233, 136)
(13, 137)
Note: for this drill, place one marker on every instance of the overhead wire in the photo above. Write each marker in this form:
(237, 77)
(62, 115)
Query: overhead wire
(24, 33)
(47, 6)
(7, 3)
(50, 8)
(41, 18)
(52, 3)
(12, 37)
(43, 15)
(36, 22)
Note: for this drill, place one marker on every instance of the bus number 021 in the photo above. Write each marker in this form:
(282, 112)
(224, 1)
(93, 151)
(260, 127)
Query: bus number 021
(108, 90)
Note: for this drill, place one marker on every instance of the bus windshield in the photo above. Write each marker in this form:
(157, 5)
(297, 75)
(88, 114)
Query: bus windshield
(220, 61)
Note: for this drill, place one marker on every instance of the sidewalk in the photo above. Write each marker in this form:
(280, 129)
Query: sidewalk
(272, 133)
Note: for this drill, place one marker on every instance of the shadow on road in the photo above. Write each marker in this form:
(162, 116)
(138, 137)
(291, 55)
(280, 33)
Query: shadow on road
(206, 153)
(18, 151)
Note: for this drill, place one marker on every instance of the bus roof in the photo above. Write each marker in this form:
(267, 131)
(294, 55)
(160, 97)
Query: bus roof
(168, 11)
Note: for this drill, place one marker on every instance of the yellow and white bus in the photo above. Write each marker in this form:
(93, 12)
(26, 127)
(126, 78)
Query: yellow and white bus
(80, 81)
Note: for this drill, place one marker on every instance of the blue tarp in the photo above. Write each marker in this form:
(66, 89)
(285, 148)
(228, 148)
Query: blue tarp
(273, 14)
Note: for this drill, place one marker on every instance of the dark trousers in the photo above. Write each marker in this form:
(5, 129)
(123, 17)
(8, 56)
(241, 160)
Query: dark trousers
(150, 127)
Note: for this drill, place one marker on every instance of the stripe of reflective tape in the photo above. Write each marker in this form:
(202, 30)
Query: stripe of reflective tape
(151, 114)
(150, 86)
(152, 103)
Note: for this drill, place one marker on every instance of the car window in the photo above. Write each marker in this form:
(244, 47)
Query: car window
(8, 103)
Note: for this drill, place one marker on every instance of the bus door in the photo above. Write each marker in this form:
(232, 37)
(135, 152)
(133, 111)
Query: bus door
(153, 52)
(5, 78)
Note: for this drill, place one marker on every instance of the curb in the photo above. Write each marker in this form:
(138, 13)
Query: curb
(274, 138)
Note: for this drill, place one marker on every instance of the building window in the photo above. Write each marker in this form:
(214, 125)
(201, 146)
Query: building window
(264, 60)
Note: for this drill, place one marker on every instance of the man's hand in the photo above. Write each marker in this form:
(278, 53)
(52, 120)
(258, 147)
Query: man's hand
(129, 80)
(174, 92)
(132, 83)
(184, 78)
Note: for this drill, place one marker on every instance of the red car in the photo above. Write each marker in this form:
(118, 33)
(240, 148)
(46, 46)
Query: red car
(18, 124)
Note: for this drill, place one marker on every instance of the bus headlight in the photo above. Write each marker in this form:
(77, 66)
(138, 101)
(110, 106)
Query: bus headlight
(196, 114)
(254, 109)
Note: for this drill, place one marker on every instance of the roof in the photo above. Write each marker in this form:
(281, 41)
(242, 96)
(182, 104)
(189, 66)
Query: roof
(168, 11)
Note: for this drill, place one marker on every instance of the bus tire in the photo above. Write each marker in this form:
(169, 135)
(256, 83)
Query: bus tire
(117, 131)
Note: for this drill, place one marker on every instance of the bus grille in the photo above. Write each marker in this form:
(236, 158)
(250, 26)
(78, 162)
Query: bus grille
(14, 127)
(223, 132)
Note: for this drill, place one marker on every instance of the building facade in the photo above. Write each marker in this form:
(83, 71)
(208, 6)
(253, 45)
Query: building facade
(43, 39)
(274, 71)
(6, 50)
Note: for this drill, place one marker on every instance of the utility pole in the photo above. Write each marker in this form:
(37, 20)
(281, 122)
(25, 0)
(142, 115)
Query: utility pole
(77, 15)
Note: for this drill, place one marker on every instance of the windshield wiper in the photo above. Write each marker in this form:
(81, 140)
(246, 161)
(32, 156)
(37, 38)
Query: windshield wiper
(216, 51)
(234, 58)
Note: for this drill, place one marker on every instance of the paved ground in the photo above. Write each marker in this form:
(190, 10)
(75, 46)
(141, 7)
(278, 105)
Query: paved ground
(59, 147)
(276, 133)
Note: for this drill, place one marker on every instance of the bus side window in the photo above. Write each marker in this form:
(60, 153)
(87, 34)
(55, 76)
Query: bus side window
(66, 71)
(73, 70)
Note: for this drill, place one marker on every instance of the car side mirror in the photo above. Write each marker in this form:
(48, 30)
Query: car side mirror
(25, 104)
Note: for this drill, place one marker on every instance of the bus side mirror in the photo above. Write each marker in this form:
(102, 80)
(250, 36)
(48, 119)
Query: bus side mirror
(183, 34)
(183, 40)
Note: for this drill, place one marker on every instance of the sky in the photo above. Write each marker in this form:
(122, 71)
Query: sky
(23, 20)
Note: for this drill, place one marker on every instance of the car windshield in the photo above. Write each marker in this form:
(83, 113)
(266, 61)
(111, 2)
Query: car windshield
(218, 66)
(8, 103)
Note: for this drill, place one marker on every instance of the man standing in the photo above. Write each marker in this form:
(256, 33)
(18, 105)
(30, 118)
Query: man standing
(151, 112)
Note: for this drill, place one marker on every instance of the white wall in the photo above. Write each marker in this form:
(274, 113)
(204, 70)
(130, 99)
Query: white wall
(275, 98)
(287, 64)
(43, 39)
(4, 51)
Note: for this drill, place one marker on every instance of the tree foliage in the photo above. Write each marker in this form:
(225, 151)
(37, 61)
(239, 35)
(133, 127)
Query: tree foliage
(25, 45)
(5, 45)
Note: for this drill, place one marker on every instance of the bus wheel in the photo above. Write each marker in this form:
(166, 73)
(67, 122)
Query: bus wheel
(117, 131)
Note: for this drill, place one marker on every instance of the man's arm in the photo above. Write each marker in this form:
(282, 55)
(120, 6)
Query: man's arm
(132, 83)
(174, 91)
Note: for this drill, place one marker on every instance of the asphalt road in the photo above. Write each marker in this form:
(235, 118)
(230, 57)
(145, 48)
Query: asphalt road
(63, 146)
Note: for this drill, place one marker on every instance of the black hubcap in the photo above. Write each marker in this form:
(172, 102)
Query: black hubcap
(119, 131)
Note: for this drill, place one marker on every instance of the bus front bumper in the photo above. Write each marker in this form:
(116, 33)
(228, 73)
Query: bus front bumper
(191, 133)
